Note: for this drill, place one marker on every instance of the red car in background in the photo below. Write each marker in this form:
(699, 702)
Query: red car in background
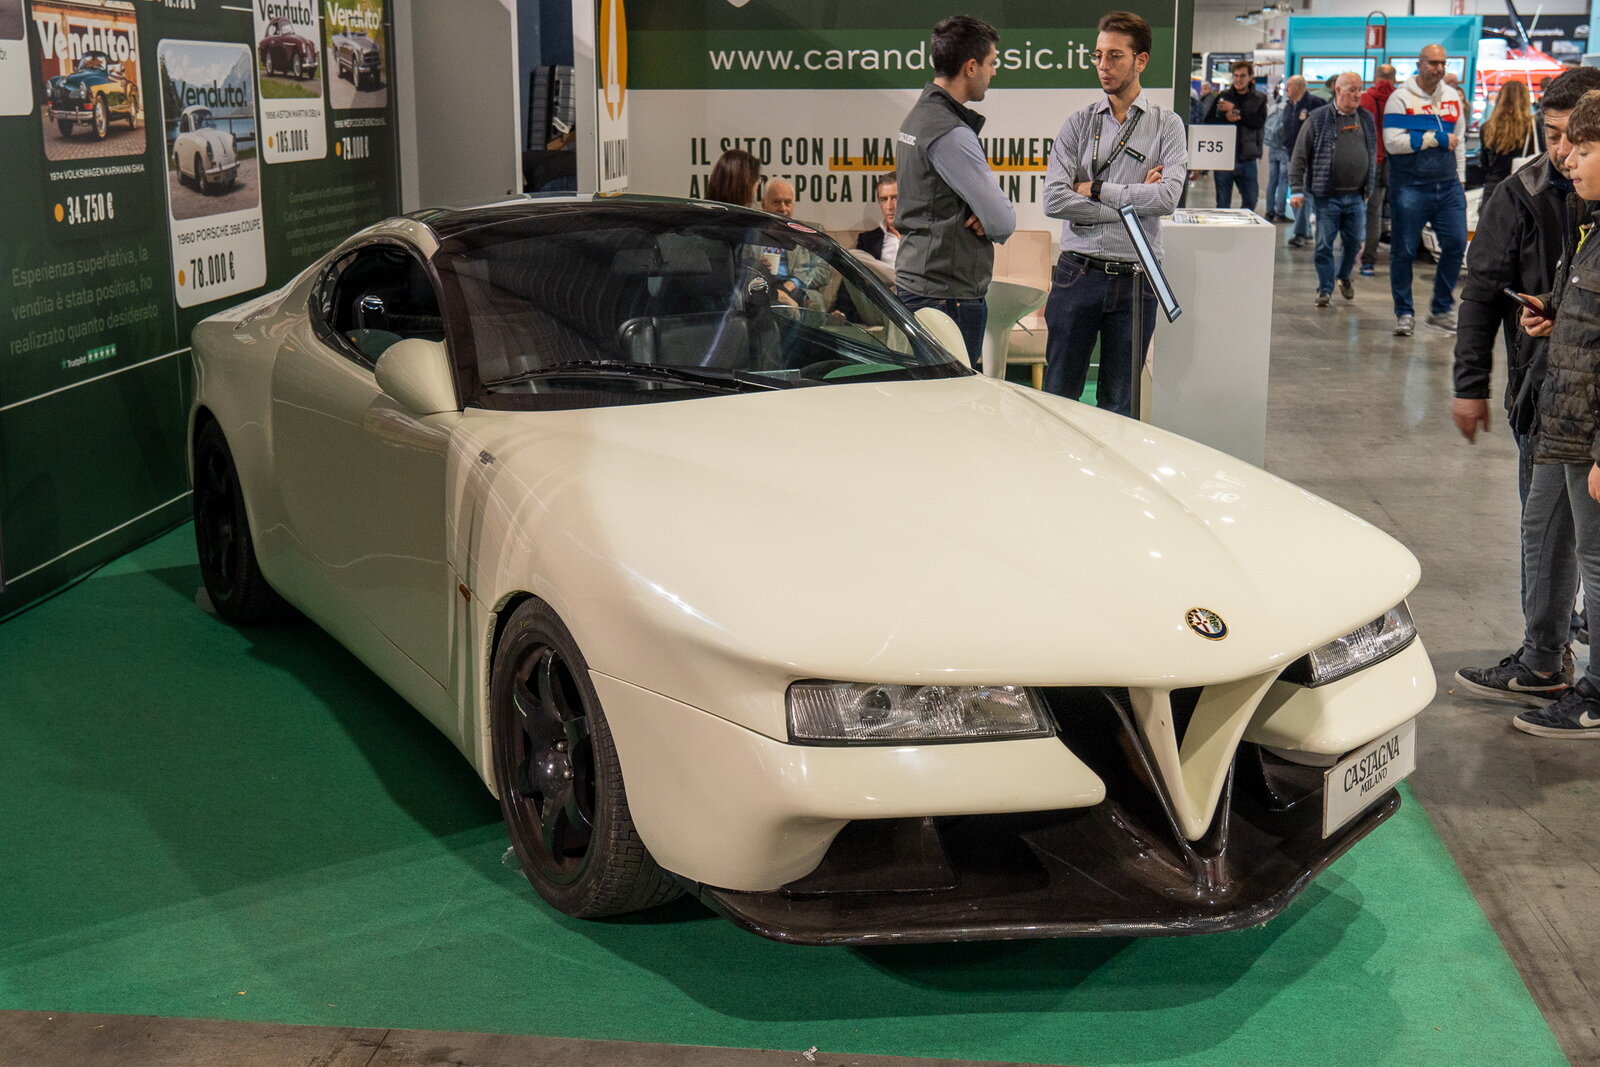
(282, 51)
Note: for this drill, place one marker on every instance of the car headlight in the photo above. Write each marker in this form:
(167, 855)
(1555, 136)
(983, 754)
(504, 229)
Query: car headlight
(1376, 641)
(848, 712)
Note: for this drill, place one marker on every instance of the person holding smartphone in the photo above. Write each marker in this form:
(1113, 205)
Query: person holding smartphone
(1528, 226)
(1569, 420)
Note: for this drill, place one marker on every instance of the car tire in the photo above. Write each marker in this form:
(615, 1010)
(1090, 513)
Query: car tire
(233, 579)
(201, 182)
(102, 119)
(65, 127)
(296, 70)
(559, 778)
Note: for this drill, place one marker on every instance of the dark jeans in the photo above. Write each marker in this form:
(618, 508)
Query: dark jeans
(1375, 202)
(1278, 182)
(1444, 204)
(1344, 217)
(1246, 176)
(1086, 305)
(1549, 560)
(1302, 219)
(970, 317)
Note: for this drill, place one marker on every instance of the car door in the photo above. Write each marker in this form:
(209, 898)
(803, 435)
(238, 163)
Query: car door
(362, 479)
(277, 45)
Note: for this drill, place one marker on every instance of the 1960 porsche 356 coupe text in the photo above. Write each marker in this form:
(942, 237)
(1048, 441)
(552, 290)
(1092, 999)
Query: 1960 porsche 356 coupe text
(760, 592)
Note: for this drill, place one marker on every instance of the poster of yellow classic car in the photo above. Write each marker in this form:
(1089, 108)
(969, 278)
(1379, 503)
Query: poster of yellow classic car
(89, 62)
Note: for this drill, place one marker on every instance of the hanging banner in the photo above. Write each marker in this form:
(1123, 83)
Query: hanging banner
(142, 196)
(817, 92)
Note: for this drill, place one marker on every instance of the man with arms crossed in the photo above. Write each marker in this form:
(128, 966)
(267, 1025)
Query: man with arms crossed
(1123, 150)
(952, 212)
(1524, 230)
(1422, 127)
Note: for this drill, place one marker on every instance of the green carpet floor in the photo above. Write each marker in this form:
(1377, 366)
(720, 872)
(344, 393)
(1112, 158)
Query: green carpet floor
(198, 821)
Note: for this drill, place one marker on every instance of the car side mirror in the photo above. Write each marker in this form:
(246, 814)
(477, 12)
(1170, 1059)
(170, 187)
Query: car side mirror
(416, 373)
(946, 332)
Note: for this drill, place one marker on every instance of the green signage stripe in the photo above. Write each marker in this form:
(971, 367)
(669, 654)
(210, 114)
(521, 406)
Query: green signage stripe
(1049, 58)
(762, 15)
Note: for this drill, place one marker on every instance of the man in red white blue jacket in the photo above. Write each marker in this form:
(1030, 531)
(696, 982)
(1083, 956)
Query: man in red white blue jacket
(1422, 137)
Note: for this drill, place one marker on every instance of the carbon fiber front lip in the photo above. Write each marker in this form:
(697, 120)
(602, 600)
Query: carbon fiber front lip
(1087, 894)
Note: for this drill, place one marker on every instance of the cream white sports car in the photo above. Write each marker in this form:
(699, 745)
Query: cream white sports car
(761, 593)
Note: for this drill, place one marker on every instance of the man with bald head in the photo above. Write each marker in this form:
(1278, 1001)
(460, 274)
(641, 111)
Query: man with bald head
(1422, 137)
(799, 274)
(1335, 160)
(1299, 106)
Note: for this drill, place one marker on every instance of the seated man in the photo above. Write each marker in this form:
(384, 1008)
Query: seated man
(800, 275)
(883, 242)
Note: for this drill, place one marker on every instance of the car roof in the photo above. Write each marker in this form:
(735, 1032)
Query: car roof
(451, 222)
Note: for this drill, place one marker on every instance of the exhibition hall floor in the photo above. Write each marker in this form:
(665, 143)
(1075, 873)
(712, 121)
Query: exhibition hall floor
(204, 823)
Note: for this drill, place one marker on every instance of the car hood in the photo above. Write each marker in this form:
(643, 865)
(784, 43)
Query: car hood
(83, 78)
(940, 531)
(361, 44)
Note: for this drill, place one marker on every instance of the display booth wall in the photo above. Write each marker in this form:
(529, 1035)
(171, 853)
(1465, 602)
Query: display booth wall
(1406, 36)
(818, 91)
(112, 249)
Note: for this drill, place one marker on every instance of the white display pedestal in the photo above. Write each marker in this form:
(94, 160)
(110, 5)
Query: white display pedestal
(1208, 376)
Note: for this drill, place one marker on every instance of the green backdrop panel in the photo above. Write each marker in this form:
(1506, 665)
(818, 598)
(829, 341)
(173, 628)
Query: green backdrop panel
(108, 257)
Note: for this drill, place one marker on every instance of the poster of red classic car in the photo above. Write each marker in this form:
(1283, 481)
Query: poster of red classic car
(289, 81)
(92, 102)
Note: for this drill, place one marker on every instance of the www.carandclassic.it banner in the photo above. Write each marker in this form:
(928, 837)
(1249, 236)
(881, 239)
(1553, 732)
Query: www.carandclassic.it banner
(817, 92)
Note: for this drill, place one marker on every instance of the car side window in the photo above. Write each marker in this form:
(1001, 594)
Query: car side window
(373, 297)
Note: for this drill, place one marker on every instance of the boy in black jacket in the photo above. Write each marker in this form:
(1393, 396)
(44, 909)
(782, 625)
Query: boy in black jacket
(1524, 230)
(1568, 441)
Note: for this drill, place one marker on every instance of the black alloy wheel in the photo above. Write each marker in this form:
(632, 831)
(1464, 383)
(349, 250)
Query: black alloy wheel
(227, 553)
(559, 777)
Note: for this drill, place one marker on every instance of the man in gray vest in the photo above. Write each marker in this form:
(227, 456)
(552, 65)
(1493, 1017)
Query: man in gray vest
(1123, 150)
(952, 212)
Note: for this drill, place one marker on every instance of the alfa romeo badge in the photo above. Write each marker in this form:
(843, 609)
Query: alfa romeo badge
(1207, 623)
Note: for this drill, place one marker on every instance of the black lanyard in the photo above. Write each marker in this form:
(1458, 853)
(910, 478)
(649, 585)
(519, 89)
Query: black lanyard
(1122, 143)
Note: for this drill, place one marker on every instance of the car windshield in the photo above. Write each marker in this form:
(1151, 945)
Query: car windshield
(626, 303)
(204, 121)
(92, 61)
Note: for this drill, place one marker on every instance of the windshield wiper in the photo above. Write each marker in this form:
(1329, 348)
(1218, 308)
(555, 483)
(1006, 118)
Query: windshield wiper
(731, 381)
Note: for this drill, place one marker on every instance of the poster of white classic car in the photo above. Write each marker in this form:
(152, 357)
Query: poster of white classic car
(203, 154)
(760, 593)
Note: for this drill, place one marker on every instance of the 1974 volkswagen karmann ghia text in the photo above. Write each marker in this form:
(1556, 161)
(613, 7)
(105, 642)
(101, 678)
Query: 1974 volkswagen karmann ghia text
(729, 575)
